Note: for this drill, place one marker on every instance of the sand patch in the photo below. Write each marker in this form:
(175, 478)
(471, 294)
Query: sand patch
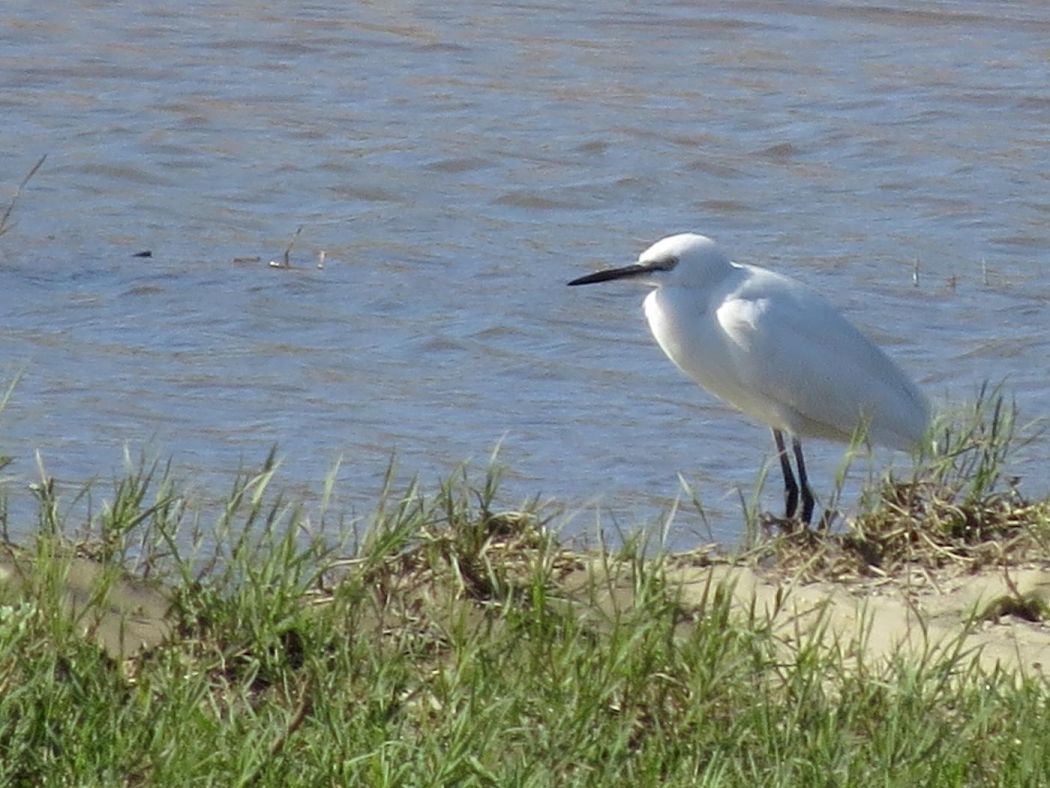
(123, 614)
(997, 615)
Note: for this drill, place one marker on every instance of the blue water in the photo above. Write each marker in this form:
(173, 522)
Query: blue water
(458, 166)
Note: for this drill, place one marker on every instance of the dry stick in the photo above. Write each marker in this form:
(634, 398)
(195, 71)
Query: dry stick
(295, 723)
(288, 251)
(4, 227)
(286, 261)
(305, 703)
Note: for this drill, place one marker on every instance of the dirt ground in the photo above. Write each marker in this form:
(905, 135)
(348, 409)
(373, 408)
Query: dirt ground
(996, 615)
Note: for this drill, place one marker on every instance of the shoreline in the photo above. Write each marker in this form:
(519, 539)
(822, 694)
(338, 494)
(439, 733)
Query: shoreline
(997, 610)
(451, 641)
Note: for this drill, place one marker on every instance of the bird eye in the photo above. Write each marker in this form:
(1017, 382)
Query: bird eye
(669, 263)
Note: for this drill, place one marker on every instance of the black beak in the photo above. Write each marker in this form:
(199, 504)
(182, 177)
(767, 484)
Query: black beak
(611, 273)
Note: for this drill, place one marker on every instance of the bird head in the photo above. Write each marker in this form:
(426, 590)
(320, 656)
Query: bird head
(686, 258)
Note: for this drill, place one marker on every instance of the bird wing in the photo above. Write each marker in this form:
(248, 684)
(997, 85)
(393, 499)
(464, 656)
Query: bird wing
(817, 373)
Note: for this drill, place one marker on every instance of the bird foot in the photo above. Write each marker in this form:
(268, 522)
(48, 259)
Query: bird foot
(791, 525)
(784, 525)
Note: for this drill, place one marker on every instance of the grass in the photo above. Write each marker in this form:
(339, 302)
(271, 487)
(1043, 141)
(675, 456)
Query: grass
(957, 507)
(450, 642)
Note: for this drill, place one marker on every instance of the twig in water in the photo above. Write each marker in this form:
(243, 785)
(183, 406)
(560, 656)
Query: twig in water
(287, 261)
(4, 226)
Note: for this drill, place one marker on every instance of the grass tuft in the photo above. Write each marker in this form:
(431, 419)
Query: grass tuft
(450, 639)
(958, 507)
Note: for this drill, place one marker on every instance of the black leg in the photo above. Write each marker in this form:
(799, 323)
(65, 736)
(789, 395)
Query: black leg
(807, 494)
(790, 487)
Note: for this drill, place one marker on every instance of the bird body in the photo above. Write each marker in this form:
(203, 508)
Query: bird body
(772, 348)
(781, 354)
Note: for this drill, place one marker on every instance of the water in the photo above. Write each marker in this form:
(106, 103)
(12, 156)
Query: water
(459, 165)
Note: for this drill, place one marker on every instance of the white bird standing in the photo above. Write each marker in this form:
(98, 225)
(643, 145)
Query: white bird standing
(775, 350)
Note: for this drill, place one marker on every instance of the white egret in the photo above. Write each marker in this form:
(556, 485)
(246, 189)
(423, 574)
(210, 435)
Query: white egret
(775, 350)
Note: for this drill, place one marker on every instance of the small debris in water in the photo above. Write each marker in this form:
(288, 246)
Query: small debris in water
(143, 253)
(288, 249)
(285, 261)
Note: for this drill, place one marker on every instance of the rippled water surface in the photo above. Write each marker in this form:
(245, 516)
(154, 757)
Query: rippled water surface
(459, 165)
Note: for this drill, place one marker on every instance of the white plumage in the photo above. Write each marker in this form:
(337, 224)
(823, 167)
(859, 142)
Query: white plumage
(774, 349)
